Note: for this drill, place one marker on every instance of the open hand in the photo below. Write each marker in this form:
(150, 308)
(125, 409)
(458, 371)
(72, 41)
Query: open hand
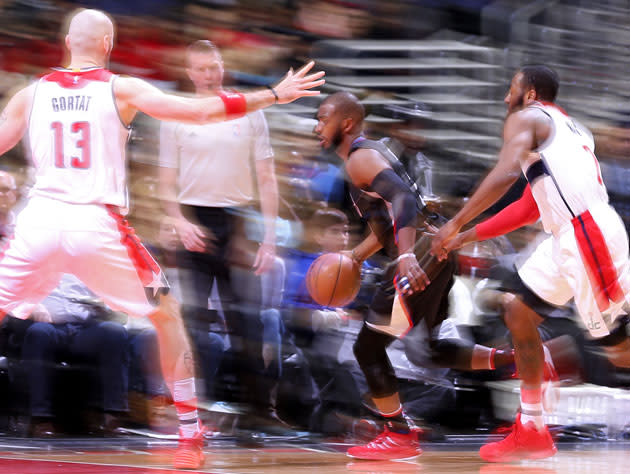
(299, 84)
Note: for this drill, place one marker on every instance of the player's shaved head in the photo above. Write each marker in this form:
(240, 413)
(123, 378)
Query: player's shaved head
(346, 105)
(90, 32)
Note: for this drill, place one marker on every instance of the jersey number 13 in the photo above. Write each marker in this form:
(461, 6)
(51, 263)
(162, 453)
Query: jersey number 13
(82, 129)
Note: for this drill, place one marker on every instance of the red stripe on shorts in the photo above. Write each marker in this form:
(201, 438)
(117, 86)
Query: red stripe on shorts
(600, 268)
(143, 262)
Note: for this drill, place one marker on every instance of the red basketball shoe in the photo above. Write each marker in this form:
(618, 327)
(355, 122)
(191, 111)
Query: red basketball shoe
(389, 445)
(189, 454)
(524, 442)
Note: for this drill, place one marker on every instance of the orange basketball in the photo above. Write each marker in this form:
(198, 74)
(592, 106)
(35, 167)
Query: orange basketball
(333, 280)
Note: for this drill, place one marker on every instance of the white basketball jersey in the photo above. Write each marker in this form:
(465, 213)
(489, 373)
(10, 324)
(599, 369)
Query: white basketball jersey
(566, 181)
(77, 138)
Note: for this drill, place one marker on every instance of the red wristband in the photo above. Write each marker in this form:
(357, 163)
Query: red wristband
(235, 104)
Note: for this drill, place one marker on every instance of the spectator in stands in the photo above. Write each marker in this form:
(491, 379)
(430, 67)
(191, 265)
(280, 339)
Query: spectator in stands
(71, 326)
(326, 231)
(314, 327)
(613, 150)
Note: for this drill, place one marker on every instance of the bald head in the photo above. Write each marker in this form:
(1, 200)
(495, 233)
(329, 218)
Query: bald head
(90, 33)
(346, 105)
(339, 120)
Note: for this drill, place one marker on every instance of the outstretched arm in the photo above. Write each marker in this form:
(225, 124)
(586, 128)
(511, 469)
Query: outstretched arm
(518, 214)
(13, 119)
(519, 139)
(134, 94)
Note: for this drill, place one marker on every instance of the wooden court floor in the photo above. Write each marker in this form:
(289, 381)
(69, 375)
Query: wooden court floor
(131, 456)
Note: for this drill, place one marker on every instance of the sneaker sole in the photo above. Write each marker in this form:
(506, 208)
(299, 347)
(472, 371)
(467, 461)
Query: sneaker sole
(189, 466)
(543, 454)
(408, 458)
(524, 456)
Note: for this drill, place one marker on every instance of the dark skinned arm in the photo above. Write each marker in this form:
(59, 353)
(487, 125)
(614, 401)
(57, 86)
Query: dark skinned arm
(362, 167)
(522, 132)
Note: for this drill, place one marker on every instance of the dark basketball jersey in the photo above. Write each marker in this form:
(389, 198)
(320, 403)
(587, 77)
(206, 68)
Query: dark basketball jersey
(430, 304)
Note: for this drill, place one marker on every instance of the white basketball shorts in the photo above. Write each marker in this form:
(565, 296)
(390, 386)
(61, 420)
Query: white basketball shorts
(93, 242)
(556, 273)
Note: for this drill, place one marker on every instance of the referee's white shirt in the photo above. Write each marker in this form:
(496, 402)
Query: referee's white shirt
(215, 160)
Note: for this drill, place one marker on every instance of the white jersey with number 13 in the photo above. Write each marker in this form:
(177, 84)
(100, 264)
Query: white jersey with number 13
(77, 138)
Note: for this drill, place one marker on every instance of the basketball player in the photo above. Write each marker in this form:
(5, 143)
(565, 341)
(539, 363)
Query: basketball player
(77, 120)
(384, 195)
(584, 258)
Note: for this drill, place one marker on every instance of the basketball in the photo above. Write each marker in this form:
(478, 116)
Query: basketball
(333, 280)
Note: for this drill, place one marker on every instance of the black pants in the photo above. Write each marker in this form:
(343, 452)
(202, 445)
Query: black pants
(239, 293)
(430, 306)
(103, 343)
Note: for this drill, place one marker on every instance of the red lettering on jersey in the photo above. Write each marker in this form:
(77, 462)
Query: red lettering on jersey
(69, 79)
(82, 162)
(84, 143)
(58, 143)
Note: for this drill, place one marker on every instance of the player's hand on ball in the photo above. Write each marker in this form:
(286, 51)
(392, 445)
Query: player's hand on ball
(299, 84)
(409, 270)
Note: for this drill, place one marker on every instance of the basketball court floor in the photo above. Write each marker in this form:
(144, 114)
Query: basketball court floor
(139, 455)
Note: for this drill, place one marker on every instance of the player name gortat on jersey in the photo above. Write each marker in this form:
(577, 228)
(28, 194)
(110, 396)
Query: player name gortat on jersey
(71, 103)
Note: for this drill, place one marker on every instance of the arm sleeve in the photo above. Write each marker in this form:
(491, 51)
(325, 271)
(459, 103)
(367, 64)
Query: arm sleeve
(518, 214)
(388, 185)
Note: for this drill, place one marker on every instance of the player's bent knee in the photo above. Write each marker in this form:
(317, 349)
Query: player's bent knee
(507, 299)
(360, 352)
(167, 312)
(369, 347)
(617, 344)
(516, 314)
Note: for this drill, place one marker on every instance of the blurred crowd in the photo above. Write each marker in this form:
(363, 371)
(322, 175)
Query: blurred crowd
(236, 237)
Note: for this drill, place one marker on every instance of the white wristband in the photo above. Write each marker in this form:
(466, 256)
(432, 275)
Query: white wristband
(405, 255)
